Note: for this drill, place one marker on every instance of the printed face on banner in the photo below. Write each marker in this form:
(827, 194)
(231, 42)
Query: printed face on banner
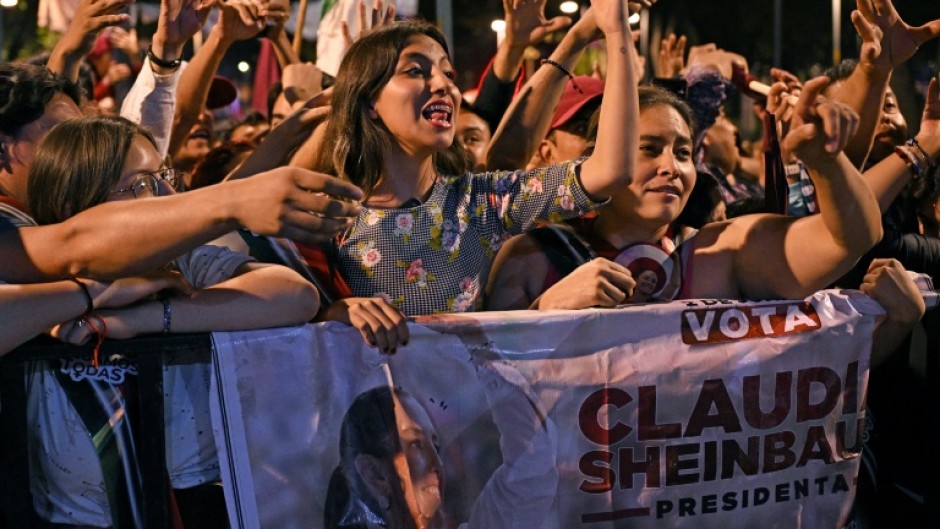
(418, 466)
(390, 471)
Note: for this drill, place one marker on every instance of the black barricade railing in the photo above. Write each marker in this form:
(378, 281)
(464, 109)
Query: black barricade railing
(150, 353)
(931, 323)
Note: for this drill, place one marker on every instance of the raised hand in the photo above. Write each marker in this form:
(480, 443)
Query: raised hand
(285, 138)
(124, 40)
(724, 62)
(820, 127)
(929, 134)
(671, 56)
(887, 40)
(91, 16)
(380, 16)
(301, 81)
(611, 16)
(781, 105)
(179, 20)
(526, 23)
(241, 19)
(276, 10)
(792, 82)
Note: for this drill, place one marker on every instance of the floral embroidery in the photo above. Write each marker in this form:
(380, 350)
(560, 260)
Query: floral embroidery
(404, 223)
(368, 255)
(415, 273)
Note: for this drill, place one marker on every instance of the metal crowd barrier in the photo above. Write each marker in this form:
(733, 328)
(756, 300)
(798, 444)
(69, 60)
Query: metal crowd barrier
(150, 353)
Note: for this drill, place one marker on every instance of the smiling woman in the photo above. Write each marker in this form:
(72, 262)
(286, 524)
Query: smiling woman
(644, 253)
(429, 230)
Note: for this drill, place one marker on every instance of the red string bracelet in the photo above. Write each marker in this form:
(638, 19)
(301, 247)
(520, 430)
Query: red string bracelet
(101, 332)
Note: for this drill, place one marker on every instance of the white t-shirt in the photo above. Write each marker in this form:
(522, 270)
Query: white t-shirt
(66, 478)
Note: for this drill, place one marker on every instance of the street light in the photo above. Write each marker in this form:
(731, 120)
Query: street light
(499, 27)
(8, 3)
(569, 7)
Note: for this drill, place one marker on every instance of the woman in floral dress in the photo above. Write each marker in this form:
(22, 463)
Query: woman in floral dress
(429, 230)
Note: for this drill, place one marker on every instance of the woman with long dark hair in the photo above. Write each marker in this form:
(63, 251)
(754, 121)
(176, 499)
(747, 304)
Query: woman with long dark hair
(429, 230)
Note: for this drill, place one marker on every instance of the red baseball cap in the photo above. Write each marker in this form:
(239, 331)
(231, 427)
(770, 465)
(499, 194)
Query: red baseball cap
(578, 92)
(221, 93)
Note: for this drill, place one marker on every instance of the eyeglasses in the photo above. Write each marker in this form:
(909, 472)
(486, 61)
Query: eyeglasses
(148, 184)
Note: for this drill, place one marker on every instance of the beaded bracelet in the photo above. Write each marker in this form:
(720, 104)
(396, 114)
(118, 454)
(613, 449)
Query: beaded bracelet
(912, 161)
(918, 150)
(89, 303)
(565, 71)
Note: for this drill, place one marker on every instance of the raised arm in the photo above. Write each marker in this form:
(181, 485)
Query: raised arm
(887, 41)
(525, 25)
(91, 17)
(892, 174)
(612, 164)
(279, 12)
(151, 102)
(239, 19)
(527, 120)
(120, 238)
(778, 257)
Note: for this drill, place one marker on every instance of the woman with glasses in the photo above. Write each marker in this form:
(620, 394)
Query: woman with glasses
(83, 163)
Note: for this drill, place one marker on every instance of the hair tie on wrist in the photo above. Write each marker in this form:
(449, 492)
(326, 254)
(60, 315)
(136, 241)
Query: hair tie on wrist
(89, 303)
(565, 71)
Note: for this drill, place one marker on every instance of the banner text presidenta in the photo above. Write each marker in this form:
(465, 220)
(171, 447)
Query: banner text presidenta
(708, 413)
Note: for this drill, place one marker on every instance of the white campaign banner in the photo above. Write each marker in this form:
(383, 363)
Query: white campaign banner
(705, 413)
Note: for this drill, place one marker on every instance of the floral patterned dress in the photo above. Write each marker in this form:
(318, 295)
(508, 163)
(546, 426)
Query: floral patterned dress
(436, 257)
